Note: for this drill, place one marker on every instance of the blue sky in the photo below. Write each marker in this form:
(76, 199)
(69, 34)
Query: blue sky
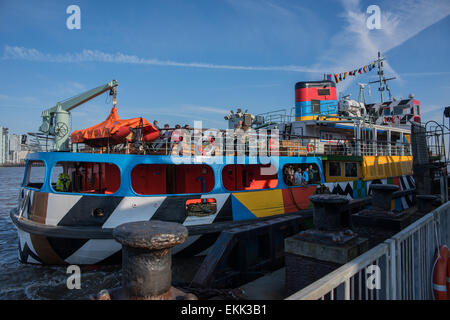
(180, 61)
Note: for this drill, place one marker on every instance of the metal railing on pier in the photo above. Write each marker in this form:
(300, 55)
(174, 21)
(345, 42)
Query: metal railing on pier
(405, 262)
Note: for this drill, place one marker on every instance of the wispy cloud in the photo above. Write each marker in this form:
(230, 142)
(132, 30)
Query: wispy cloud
(201, 109)
(401, 20)
(86, 55)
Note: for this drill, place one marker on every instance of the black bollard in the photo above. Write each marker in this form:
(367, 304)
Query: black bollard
(327, 211)
(147, 257)
(382, 196)
(424, 202)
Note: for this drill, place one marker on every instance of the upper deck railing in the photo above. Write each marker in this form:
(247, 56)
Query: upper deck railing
(251, 143)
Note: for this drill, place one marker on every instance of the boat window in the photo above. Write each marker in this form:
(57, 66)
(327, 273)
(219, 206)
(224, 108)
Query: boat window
(334, 169)
(351, 169)
(237, 177)
(147, 179)
(323, 92)
(294, 174)
(315, 106)
(201, 207)
(35, 172)
(86, 177)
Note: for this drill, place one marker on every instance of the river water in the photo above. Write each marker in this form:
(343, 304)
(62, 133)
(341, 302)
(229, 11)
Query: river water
(24, 281)
(21, 281)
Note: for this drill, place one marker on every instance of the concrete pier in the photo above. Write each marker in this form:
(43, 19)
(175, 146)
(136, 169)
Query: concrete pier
(380, 222)
(311, 254)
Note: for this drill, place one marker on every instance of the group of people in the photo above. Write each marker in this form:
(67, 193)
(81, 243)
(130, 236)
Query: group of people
(169, 136)
(296, 176)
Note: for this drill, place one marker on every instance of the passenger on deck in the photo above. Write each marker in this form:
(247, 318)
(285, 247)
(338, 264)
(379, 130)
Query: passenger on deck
(175, 138)
(312, 174)
(298, 178)
(287, 176)
(306, 176)
(166, 133)
(155, 124)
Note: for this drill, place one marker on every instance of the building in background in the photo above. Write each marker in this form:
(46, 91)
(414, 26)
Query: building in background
(12, 151)
(4, 145)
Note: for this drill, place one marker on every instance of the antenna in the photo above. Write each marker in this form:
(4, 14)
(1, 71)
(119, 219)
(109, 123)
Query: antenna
(362, 96)
(382, 80)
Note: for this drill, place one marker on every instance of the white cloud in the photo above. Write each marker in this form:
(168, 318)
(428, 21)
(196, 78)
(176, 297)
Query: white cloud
(207, 109)
(32, 54)
(356, 45)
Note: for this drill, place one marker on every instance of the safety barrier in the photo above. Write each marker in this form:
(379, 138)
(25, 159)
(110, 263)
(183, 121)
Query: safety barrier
(398, 269)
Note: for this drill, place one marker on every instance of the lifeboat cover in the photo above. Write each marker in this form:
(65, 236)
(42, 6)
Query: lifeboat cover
(109, 129)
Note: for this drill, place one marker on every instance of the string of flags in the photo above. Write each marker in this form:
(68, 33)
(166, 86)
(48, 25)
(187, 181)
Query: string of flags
(337, 77)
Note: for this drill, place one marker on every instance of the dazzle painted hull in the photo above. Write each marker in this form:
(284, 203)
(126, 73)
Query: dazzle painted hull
(70, 210)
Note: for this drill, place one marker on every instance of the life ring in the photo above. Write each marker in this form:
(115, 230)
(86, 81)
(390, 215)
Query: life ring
(440, 271)
(310, 147)
(273, 144)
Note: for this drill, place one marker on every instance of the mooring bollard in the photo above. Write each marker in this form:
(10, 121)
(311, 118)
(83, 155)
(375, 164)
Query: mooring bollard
(424, 202)
(382, 195)
(327, 211)
(324, 248)
(147, 258)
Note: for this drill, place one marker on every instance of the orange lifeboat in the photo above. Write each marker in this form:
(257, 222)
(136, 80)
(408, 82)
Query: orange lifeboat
(114, 131)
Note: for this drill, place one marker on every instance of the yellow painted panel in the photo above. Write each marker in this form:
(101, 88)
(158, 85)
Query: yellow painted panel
(304, 118)
(262, 203)
(342, 177)
(380, 167)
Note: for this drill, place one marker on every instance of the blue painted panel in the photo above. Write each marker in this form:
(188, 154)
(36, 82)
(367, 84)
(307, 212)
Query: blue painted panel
(126, 163)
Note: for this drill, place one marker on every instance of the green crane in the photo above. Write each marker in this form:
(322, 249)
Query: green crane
(56, 120)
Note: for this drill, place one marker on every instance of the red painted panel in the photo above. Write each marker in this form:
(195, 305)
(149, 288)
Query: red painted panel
(308, 94)
(93, 177)
(191, 178)
(298, 197)
(149, 179)
(229, 177)
(247, 177)
(396, 181)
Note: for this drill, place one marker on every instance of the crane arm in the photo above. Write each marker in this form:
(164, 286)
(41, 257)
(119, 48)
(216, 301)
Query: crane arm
(74, 102)
(71, 104)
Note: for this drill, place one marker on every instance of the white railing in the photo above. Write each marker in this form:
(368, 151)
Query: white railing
(251, 142)
(405, 264)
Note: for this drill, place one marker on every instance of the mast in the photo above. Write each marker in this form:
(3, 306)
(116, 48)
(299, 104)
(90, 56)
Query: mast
(382, 80)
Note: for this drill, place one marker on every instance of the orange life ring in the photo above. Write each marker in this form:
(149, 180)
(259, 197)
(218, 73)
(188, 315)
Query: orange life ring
(310, 147)
(440, 271)
(448, 275)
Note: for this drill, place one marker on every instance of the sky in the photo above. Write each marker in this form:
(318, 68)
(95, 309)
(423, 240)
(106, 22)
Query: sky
(181, 61)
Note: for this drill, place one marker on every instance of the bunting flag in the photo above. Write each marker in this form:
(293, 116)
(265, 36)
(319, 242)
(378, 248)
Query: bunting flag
(343, 75)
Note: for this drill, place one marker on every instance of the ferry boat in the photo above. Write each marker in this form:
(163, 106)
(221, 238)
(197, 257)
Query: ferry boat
(262, 166)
